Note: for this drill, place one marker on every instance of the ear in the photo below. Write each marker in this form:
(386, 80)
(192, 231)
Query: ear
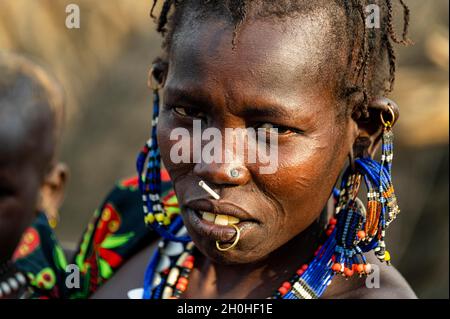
(53, 191)
(157, 74)
(380, 111)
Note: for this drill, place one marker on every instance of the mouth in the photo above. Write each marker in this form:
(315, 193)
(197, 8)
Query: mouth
(218, 219)
(214, 220)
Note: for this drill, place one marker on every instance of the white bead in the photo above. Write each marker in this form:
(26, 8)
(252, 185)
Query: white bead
(13, 284)
(21, 278)
(182, 259)
(173, 249)
(154, 197)
(167, 292)
(135, 293)
(156, 280)
(163, 263)
(182, 232)
(6, 289)
(173, 276)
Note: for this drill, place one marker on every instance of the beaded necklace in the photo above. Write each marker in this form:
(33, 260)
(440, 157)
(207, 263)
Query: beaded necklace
(172, 263)
(12, 281)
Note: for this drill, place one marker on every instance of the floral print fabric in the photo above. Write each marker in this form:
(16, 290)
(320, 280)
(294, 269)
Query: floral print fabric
(115, 233)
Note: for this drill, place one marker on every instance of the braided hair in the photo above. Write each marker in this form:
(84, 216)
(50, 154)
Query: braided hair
(373, 64)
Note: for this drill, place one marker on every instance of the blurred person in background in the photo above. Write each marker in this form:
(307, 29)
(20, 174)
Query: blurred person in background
(32, 180)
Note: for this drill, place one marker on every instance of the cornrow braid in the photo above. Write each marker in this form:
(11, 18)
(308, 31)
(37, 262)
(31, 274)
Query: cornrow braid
(163, 17)
(394, 37)
(238, 10)
(364, 60)
(392, 66)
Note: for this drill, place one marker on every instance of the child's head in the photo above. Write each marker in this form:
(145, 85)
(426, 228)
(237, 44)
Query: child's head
(309, 68)
(31, 116)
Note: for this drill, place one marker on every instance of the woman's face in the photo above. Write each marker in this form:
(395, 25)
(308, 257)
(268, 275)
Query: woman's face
(284, 75)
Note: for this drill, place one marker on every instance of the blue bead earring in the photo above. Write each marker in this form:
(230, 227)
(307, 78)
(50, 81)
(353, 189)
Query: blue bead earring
(150, 181)
(361, 229)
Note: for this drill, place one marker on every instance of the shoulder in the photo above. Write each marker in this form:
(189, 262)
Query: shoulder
(385, 282)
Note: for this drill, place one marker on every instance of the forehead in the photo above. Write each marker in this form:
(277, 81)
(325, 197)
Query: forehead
(283, 56)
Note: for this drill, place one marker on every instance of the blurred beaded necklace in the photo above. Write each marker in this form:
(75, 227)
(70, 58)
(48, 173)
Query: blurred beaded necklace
(353, 231)
(13, 283)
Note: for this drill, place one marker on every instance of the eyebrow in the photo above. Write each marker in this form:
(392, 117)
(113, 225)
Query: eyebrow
(177, 94)
(264, 110)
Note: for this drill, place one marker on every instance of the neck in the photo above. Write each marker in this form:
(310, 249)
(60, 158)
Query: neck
(260, 279)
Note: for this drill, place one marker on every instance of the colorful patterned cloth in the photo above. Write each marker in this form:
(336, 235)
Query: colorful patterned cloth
(115, 233)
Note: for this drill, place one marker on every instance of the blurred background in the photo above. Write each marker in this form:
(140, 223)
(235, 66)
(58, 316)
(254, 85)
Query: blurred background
(103, 67)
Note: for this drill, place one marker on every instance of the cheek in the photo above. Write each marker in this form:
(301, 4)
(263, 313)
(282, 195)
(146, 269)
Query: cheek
(307, 171)
(167, 126)
(304, 165)
(163, 134)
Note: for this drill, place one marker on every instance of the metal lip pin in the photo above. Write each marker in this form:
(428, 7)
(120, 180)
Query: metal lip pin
(209, 190)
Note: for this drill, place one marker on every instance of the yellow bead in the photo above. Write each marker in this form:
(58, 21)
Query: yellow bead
(387, 256)
(166, 221)
(149, 219)
(53, 222)
(159, 217)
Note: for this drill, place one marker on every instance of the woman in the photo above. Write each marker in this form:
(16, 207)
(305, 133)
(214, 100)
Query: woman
(314, 75)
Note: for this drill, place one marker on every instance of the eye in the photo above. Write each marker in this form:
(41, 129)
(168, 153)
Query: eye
(188, 112)
(278, 129)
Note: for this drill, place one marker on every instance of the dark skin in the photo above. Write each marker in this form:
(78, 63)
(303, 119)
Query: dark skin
(30, 180)
(19, 185)
(287, 77)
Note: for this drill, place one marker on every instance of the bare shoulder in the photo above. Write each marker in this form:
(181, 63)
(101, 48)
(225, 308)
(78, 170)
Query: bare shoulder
(129, 276)
(385, 283)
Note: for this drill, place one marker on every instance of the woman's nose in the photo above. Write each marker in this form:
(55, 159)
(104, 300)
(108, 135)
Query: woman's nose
(223, 173)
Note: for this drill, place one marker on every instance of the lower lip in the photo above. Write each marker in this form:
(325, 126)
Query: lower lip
(217, 232)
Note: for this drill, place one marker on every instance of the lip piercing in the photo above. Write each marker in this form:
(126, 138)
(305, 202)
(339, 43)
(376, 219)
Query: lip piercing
(234, 172)
(236, 240)
(208, 189)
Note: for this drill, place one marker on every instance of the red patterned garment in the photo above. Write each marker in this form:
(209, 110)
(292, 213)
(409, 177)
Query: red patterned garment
(115, 233)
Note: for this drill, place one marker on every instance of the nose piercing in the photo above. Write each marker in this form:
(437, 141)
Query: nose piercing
(234, 173)
(208, 189)
(236, 240)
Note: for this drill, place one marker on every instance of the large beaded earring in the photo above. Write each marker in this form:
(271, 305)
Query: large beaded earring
(360, 229)
(150, 178)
